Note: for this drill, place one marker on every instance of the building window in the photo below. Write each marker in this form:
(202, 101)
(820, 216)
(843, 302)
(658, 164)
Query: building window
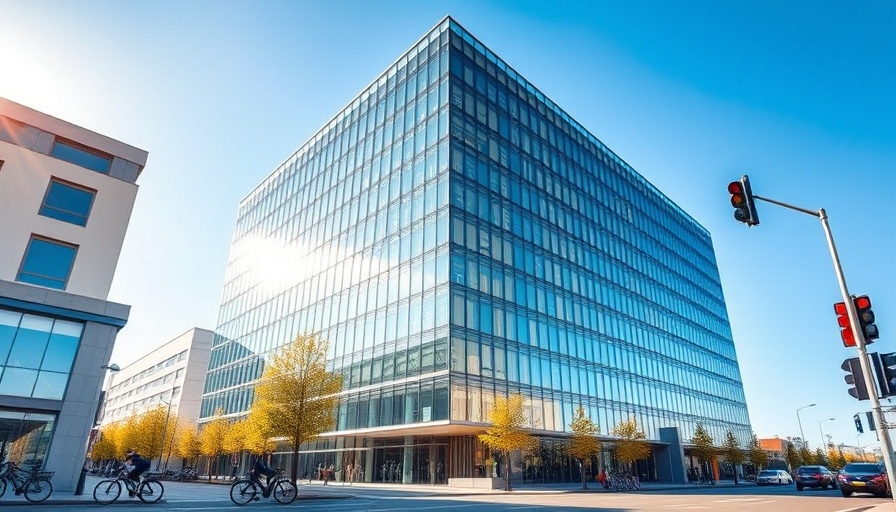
(47, 263)
(36, 354)
(67, 202)
(80, 155)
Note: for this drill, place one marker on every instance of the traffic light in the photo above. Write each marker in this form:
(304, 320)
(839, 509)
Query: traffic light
(858, 421)
(886, 374)
(854, 378)
(742, 201)
(866, 318)
(845, 327)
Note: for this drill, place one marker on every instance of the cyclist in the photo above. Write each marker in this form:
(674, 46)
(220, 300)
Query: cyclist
(136, 465)
(261, 468)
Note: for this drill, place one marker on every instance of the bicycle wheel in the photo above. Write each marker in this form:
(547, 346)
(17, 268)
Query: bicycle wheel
(285, 491)
(150, 491)
(243, 491)
(107, 491)
(2, 486)
(38, 490)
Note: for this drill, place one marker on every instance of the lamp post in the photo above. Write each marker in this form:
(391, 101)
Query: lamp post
(823, 444)
(802, 436)
(79, 487)
(165, 429)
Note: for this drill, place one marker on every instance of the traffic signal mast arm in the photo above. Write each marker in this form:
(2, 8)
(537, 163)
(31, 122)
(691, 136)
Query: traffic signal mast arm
(885, 444)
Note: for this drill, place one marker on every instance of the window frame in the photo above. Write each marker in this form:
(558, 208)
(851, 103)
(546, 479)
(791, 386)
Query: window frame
(49, 240)
(72, 185)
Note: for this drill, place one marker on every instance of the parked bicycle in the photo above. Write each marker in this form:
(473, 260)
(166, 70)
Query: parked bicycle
(35, 485)
(148, 489)
(247, 489)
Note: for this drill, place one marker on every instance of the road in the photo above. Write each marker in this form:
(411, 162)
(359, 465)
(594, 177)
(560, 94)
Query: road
(745, 498)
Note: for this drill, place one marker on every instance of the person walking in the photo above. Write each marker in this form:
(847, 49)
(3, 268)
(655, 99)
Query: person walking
(348, 474)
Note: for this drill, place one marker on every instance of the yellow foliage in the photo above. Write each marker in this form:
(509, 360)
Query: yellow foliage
(297, 397)
(584, 442)
(631, 444)
(506, 433)
(188, 445)
(212, 434)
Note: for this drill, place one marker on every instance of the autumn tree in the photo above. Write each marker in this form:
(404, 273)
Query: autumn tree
(211, 439)
(297, 397)
(188, 446)
(259, 433)
(757, 456)
(732, 451)
(583, 444)
(506, 433)
(821, 457)
(704, 448)
(631, 444)
(109, 445)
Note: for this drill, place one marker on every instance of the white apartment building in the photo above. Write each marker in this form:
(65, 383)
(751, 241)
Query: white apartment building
(172, 376)
(66, 196)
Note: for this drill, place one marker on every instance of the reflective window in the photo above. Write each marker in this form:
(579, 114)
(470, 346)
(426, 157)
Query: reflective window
(37, 354)
(81, 155)
(67, 202)
(47, 263)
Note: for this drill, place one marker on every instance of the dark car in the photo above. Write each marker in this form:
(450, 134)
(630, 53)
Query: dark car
(814, 476)
(869, 477)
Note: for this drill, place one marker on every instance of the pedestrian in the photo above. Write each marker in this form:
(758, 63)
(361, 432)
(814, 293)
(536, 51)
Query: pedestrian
(348, 474)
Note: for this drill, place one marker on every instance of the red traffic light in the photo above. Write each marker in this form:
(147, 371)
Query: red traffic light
(845, 326)
(742, 201)
(863, 302)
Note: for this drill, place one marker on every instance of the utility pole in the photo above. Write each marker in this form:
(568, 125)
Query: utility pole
(886, 445)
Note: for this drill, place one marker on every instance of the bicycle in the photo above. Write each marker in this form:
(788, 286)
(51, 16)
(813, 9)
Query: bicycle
(246, 489)
(36, 486)
(148, 489)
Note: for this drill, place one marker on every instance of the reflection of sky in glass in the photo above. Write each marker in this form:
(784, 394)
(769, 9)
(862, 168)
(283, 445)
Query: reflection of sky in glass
(17, 381)
(50, 385)
(9, 323)
(36, 343)
(31, 341)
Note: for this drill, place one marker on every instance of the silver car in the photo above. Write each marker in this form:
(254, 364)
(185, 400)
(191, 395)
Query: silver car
(773, 477)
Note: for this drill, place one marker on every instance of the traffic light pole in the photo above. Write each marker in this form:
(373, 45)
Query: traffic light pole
(886, 445)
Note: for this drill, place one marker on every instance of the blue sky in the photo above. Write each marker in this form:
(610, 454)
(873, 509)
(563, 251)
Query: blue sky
(800, 95)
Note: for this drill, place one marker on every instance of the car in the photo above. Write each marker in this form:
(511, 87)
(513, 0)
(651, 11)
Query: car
(869, 477)
(814, 476)
(773, 476)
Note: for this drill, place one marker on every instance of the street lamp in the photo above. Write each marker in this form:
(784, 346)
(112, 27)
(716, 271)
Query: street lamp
(802, 436)
(823, 444)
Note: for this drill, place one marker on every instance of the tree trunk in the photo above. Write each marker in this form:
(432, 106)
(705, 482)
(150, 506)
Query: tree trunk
(294, 463)
(582, 472)
(507, 486)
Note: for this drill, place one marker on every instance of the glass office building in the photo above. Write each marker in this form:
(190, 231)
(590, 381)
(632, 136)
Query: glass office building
(457, 237)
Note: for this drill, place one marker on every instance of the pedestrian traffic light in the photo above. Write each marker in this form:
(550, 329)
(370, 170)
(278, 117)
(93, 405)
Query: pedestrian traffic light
(886, 374)
(849, 340)
(855, 379)
(871, 424)
(742, 201)
(866, 318)
(858, 421)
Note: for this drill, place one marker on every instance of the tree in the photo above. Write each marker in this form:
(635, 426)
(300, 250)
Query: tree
(506, 433)
(584, 443)
(630, 444)
(259, 433)
(757, 456)
(188, 445)
(806, 457)
(703, 445)
(109, 444)
(793, 456)
(821, 458)
(211, 439)
(732, 451)
(297, 397)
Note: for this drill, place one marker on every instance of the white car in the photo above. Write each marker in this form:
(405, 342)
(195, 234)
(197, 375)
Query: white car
(773, 476)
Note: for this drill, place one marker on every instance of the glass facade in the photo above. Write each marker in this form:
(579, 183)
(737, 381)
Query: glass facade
(456, 237)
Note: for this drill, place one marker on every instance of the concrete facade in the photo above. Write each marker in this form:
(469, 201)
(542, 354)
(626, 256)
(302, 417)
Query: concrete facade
(60, 333)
